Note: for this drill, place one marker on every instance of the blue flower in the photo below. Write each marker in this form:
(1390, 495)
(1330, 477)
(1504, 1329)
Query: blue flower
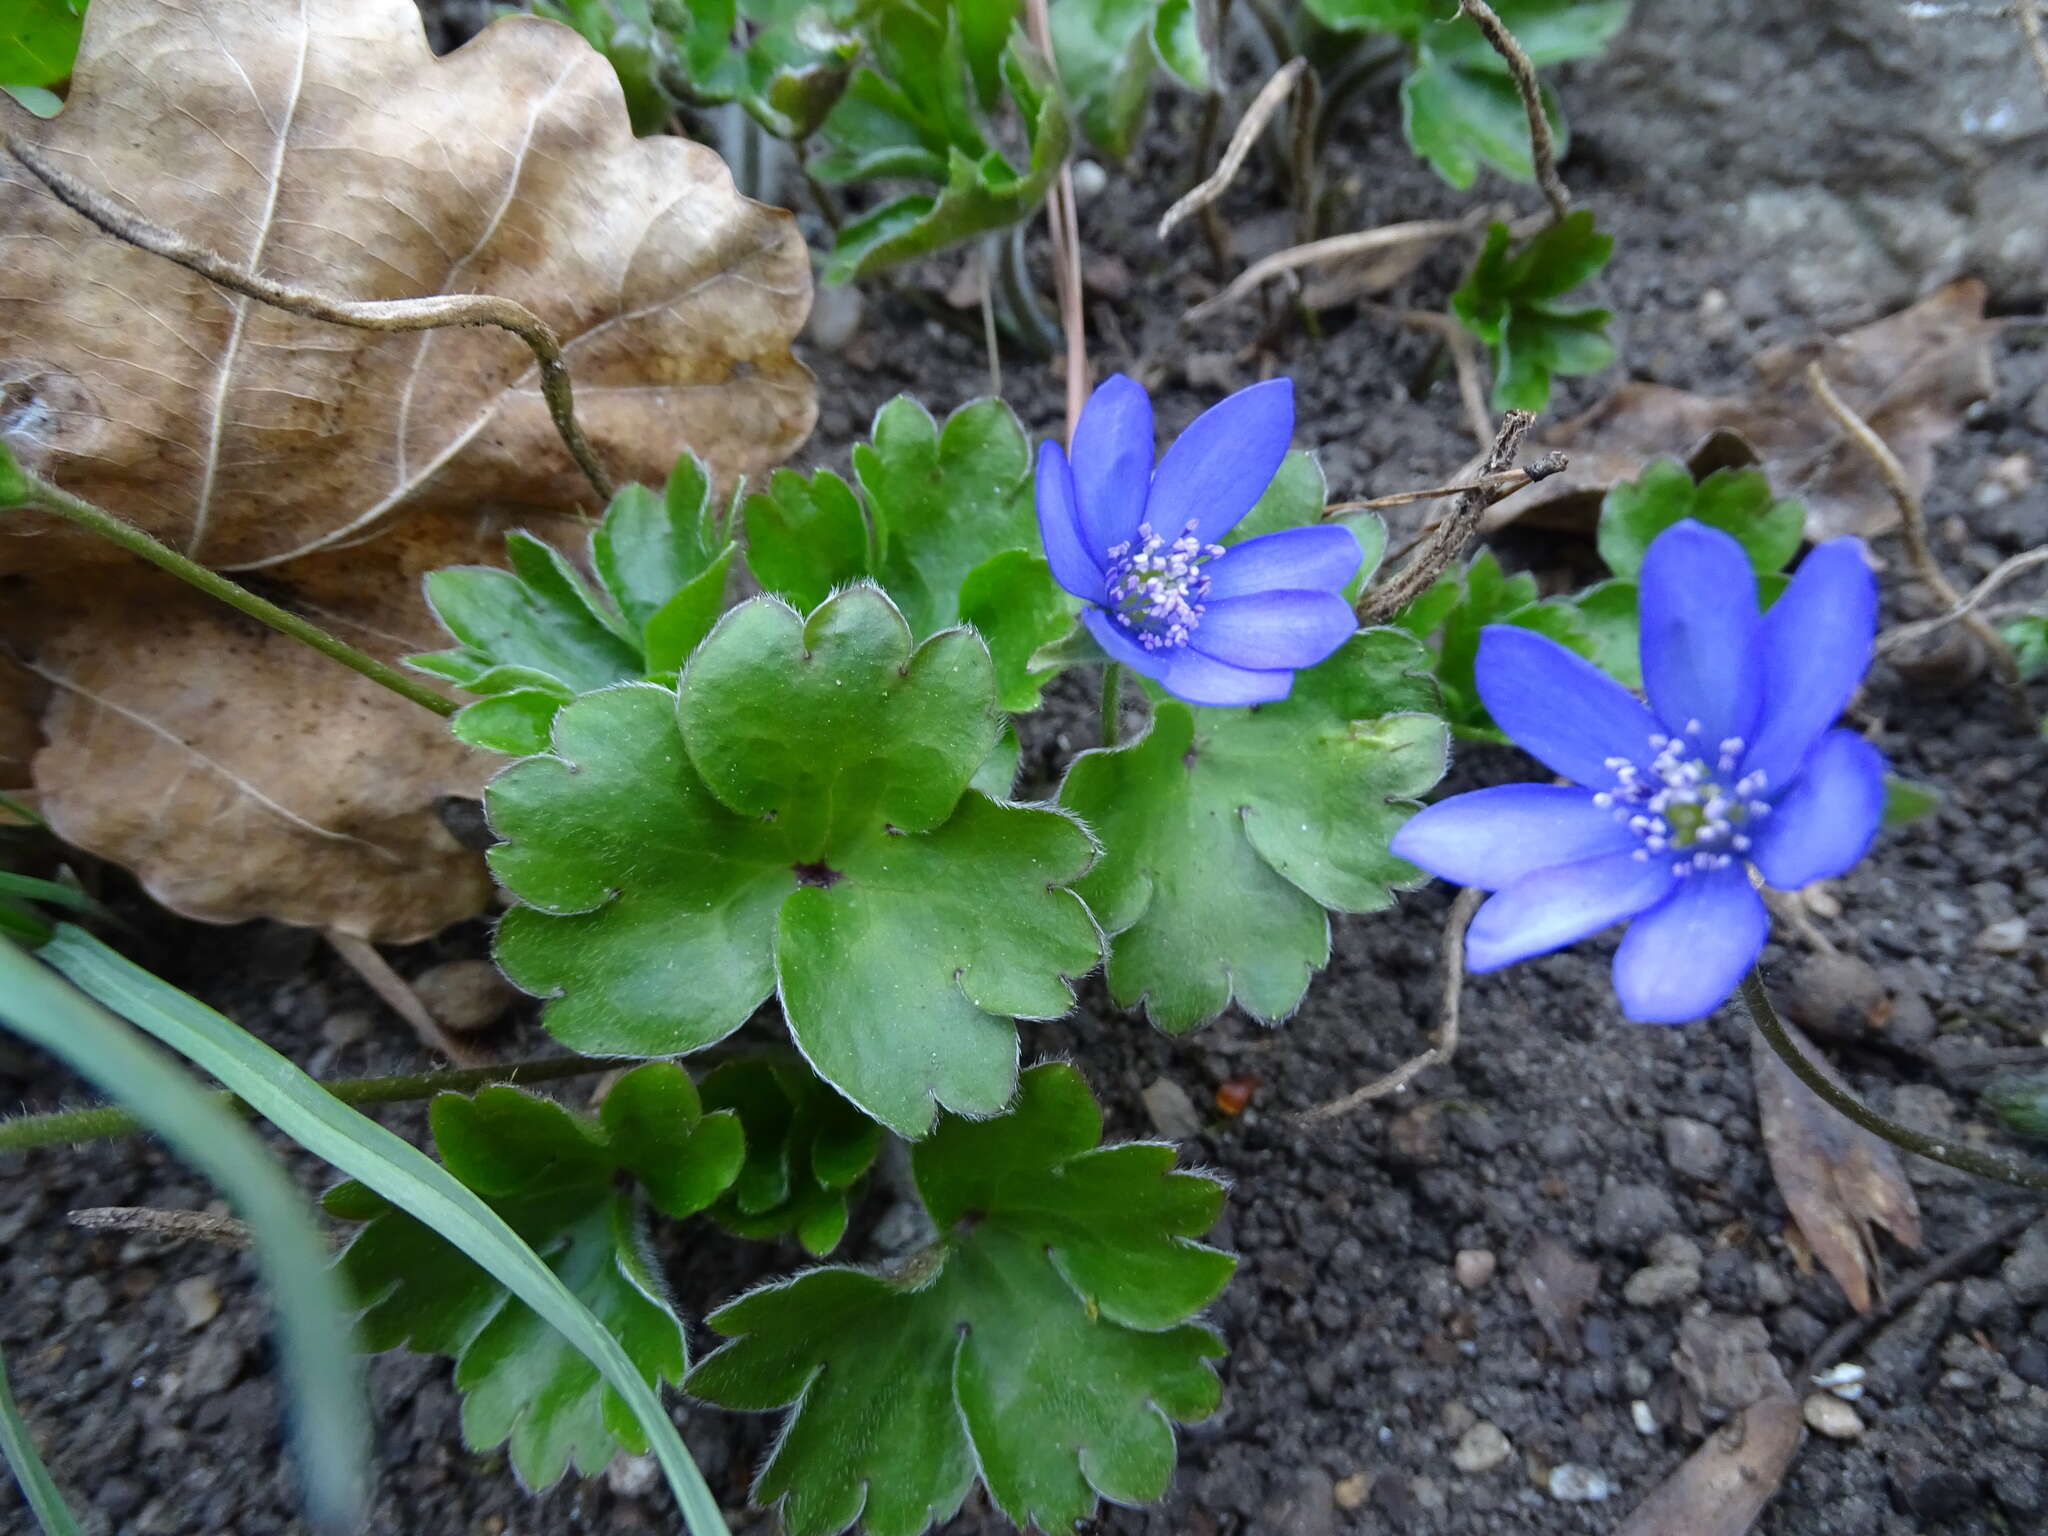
(1140, 547)
(1734, 762)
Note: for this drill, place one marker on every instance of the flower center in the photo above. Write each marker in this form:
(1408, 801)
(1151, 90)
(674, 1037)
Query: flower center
(1688, 805)
(1155, 589)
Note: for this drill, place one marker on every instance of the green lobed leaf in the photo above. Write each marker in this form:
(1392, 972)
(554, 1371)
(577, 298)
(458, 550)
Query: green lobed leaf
(555, 1179)
(1017, 608)
(1043, 1342)
(2028, 637)
(1736, 501)
(390, 1167)
(1907, 799)
(1459, 605)
(1177, 39)
(1506, 302)
(1108, 51)
(2020, 1100)
(39, 41)
(807, 1152)
(1227, 832)
(797, 820)
(806, 536)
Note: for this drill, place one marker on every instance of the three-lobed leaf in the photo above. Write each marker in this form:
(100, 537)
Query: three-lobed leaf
(555, 1179)
(1509, 302)
(796, 820)
(808, 1150)
(1043, 1342)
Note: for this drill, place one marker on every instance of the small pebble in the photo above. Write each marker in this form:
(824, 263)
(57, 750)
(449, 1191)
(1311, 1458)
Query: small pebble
(350, 1026)
(198, 1300)
(2005, 938)
(1473, 1267)
(1090, 180)
(1480, 1449)
(1571, 1484)
(465, 996)
(1351, 1492)
(1694, 1148)
(1659, 1285)
(1826, 1414)
(632, 1477)
(1171, 1111)
(1640, 1415)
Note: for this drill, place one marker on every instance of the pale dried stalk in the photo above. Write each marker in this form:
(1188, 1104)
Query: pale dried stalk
(1913, 526)
(1335, 248)
(179, 1226)
(1542, 151)
(1382, 602)
(1063, 219)
(2029, 14)
(362, 957)
(1464, 363)
(2006, 570)
(1789, 909)
(440, 312)
(1496, 485)
(1445, 1045)
(1249, 127)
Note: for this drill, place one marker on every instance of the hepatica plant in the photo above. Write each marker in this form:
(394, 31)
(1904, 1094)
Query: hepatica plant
(1733, 768)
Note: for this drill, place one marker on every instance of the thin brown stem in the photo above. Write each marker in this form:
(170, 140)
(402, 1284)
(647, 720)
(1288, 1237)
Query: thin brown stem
(1985, 1165)
(1913, 527)
(1334, 248)
(178, 1226)
(1381, 602)
(1246, 134)
(1542, 151)
(427, 314)
(2006, 570)
(1064, 221)
(361, 956)
(1445, 1046)
(1499, 485)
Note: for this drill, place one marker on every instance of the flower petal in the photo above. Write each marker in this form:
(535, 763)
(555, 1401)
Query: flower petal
(1698, 605)
(1560, 905)
(1680, 961)
(1493, 837)
(1116, 640)
(1113, 453)
(1223, 463)
(1815, 645)
(1322, 558)
(1199, 679)
(1560, 709)
(1824, 823)
(1274, 629)
(1059, 528)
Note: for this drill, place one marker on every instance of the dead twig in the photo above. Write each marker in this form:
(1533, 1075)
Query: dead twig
(179, 1226)
(1913, 526)
(439, 312)
(1445, 1046)
(362, 957)
(1335, 248)
(1464, 352)
(1863, 1324)
(2029, 14)
(1387, 598)
(1249, 127)
(1508, 480)
(1542, 151)
(2006, 570)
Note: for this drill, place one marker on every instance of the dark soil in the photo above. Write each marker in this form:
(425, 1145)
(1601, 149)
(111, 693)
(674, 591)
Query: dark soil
(1357, 1360)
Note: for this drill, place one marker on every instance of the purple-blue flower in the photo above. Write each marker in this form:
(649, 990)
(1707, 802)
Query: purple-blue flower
(1140, 547)
(1733, 763)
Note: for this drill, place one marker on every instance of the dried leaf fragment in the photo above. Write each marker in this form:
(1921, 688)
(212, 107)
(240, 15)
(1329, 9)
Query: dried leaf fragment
(1838, 1180)
(324, 146)
(1560, 1286)
(1723, 1486)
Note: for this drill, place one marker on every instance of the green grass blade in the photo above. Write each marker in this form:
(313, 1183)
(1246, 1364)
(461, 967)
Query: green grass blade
(19, 1451)
(388, 1164)
(324, 1380)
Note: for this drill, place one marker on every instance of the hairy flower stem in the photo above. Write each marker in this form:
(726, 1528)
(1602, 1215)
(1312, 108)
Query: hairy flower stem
(73, 1127)
(52, 498)
(1985, 1165)
(1112, 703)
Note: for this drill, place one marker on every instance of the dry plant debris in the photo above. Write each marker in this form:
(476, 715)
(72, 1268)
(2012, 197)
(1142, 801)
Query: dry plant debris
(324, 145)
(1723, 1486)
(1910, 375)
(1839, 1181)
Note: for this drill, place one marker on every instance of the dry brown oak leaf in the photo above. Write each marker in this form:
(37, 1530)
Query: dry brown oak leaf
(319, 143)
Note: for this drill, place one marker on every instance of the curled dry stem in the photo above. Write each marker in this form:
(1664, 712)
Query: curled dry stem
(361, 956)
(439, 312)
(1445, 1046)
(1382, 601)
(1334, 248)
(1256, 116)
(1493, 485)
(1913, 526)
(1985, 1165)
(1542, 149)
(2017, 565)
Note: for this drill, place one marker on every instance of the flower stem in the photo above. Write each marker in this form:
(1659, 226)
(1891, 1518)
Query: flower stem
(1112, 703)
(1985, 1165)
(52, 498)
(72, 1127)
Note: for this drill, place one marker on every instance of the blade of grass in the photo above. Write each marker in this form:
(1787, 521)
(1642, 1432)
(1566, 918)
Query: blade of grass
(330, 1424)
(388, 1164)
(19, 1451)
